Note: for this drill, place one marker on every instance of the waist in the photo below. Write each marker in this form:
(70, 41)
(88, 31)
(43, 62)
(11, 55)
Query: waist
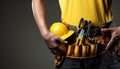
(95, 22)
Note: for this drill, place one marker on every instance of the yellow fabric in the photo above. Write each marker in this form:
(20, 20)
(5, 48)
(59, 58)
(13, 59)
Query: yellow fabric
(98, 11)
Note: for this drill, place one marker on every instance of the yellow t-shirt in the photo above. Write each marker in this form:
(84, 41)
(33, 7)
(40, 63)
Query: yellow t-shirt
(98, 11)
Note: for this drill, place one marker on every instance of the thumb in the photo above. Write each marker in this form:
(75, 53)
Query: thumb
(110, 43)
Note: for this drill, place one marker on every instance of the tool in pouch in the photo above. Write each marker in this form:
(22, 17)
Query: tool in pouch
(79, 40)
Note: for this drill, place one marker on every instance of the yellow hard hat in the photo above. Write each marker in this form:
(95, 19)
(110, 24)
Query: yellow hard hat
(61, 30)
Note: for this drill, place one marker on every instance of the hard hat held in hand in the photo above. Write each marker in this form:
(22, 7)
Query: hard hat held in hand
(61, 30)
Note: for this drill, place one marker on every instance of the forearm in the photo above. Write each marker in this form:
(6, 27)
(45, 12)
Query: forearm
(40, 16)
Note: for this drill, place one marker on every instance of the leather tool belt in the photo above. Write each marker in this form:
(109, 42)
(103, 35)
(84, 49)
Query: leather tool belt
(86, 42)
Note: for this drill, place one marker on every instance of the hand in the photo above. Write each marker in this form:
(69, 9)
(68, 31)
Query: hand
(114, 34)
(54, 44)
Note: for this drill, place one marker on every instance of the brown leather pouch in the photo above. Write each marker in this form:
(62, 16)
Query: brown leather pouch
(116, 48)
(58, 60)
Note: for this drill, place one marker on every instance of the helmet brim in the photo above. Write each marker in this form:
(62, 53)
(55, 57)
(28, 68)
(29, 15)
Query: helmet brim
(70, 32)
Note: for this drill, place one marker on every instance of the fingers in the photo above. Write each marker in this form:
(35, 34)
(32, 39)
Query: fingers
(58, 51)
(59, 41)
(54, 48)
(110, 43)
(112, 40)
(109, 38)
(63, 41)
(104, 30)
(55, 45)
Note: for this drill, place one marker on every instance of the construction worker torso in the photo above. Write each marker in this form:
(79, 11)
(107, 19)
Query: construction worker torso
(98, 11)
(92, 14)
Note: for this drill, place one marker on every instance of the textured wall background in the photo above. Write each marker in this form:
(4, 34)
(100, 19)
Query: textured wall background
(21, 45)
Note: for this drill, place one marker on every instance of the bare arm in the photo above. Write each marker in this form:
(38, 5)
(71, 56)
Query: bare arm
(53, 42)
(40, 16)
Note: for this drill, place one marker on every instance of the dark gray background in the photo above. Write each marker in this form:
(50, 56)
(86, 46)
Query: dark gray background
(21, 46)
